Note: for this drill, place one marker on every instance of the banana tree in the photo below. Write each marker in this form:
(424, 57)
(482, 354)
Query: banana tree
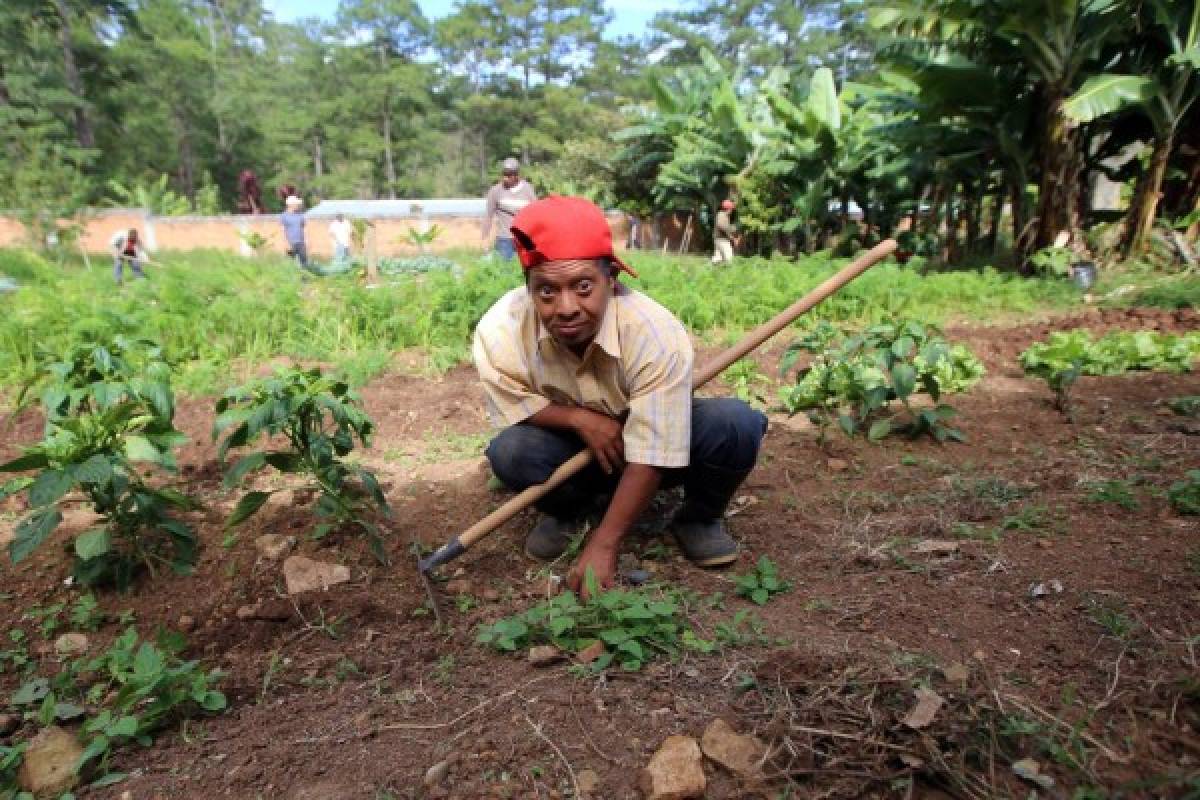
(810, 145)
(1164, 95)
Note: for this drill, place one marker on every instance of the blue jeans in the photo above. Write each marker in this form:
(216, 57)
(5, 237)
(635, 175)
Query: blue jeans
(119, 267)
(506, 249)
(726, 434)
(298, 251)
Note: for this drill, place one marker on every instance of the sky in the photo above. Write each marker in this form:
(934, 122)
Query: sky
(630, 17)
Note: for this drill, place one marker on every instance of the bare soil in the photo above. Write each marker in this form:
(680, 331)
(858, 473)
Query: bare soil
(353, 693)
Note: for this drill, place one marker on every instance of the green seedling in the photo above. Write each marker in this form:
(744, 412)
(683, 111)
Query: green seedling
(1188, 406)
(635, 626)
(762, 583)
(1117, 492)
(1184, 495)
(320, 418)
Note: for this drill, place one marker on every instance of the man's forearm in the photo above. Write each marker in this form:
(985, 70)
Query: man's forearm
(636, 488)
(564, 418)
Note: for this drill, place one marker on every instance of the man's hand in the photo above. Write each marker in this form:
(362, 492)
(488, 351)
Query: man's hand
(600, 555)
(604, 437)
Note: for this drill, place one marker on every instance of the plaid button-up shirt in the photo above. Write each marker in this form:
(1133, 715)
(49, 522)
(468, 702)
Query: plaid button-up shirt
(640, 362)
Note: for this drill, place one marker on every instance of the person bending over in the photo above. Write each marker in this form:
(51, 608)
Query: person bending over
(576, 359)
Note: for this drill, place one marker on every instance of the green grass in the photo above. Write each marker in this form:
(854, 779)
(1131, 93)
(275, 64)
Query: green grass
(221, 316)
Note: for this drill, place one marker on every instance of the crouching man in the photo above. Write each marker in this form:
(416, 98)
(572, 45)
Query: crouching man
(575, 359)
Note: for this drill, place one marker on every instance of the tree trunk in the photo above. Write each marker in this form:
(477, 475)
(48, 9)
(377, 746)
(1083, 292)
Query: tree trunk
(1145, 200)
(974, 212)
(83, 125)
(318, 162)
(1017, 201)
(1056, 192)
(187, 156)
(389, 164)
(993, 235)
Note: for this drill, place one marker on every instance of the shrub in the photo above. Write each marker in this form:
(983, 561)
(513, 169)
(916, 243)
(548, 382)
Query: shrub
(96, 453)
(320, 418)
(855, 378)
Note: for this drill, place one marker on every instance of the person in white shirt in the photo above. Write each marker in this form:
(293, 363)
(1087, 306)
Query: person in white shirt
(126, 247)
(341, 231)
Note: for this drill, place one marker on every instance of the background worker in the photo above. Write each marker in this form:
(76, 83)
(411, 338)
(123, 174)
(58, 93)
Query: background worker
(504, 200)
(126, 246)
(293, 229)
(724, 234)
(575, 359)
(341, 231)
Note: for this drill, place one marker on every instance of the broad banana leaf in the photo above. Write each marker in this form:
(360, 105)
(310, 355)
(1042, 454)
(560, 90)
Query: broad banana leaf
(823, 105)
(1106, 94)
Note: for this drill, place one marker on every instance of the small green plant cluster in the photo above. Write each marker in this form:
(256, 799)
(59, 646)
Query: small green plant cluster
(422, 239)
(854, 379)
(122, 696)
(762, 583)
(109, 409)
(1184, 495)
(635, 626)
(1052, 261)
(320, 417)
(1066, 355)
(1186, 406)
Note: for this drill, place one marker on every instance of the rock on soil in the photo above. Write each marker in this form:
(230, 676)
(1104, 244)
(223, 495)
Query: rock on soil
(588, 781)
(675, 772)
(71, 644)
(275, 610)
(437, 773)
(305, 575)
(928, 704)
(274, 546)
(544, 655)
(590, 653)
(736, 752)
(49, 765)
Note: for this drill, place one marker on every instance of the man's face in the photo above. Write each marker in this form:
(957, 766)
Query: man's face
(510, 178)
(571, 298)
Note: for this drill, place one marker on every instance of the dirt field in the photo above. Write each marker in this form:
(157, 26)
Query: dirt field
(353, 693)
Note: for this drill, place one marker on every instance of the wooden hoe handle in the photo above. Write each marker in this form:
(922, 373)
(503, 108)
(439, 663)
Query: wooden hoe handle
(750, 342)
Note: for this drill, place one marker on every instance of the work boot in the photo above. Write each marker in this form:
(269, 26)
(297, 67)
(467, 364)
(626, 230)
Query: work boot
(699, 527)
(706, 543)
(550, 538)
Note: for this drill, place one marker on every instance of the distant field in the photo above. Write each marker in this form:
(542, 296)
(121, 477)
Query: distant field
(218, 314)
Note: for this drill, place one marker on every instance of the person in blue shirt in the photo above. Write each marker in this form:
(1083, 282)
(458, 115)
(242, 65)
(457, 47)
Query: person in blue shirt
(293, 229)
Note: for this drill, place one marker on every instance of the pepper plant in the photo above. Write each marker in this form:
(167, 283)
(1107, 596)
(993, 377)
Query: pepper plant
(98, 453)
(320, 418)
(96, 375)
(854, 378)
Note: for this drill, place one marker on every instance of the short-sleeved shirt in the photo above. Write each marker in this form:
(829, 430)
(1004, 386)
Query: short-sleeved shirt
(723, 225)
(640, 363)
(293, 226)
(340, 230)
(503, 204)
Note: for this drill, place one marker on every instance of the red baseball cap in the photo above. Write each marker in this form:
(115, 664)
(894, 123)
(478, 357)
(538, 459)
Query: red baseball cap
(563, 228)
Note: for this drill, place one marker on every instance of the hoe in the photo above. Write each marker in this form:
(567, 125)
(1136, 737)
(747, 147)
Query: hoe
(750, 342)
